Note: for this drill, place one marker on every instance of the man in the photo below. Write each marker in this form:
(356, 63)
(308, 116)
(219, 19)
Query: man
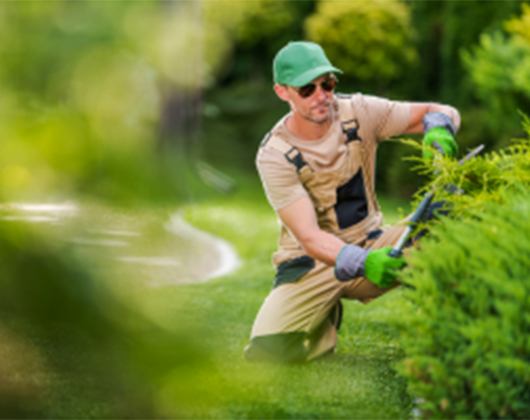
(317, 166)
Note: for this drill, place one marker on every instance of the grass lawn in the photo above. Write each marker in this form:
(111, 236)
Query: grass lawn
(174, 350)
(356, 382)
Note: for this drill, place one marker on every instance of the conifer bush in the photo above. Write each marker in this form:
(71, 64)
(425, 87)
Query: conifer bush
(466, 339)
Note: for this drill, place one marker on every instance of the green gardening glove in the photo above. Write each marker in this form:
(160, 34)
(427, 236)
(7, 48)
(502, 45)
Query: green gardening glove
(439, 134)
(382, 269)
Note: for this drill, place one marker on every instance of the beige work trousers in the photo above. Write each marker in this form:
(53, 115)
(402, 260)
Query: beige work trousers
(306, 305)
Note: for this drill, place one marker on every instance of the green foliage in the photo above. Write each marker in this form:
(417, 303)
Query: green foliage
(466, 345)
(488, 63)
(499, 68)
(395, 176)
(243, 119)
(370, 41)
(520, 26)
(265, 20)
(254, 30)
(444, 29)
(481, 179)
(467, 341)
(81, 112)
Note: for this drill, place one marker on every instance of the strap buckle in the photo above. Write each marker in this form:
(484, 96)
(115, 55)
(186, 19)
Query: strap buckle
(294, 156)
(350, 128)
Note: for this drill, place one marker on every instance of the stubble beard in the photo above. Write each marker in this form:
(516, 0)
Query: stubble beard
(319, 120)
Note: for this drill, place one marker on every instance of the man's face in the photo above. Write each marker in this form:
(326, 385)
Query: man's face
(313, 101)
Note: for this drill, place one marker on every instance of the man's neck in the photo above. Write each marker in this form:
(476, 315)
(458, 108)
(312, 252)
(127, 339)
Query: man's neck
(305, 129)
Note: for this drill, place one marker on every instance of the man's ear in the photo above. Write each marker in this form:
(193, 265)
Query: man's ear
(282, 92)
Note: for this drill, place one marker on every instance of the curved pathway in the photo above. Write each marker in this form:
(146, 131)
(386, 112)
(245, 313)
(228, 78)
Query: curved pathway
(148, 247)
(224, 253)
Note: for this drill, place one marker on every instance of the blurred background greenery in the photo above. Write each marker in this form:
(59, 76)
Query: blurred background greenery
(155, 104)
(121, 99)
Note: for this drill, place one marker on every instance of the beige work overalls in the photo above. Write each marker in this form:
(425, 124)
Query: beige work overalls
(299, 318)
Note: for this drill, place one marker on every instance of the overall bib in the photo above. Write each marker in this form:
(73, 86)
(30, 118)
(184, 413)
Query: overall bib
(299, 318)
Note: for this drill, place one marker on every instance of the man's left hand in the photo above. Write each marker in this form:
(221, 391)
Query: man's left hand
(439, 133)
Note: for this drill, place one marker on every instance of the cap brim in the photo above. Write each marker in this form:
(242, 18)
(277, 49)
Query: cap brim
(312, 74)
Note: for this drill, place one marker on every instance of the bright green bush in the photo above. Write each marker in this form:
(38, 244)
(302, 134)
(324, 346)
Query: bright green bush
(482, 179)
(370, 41)
(521, 26)
(466, 343)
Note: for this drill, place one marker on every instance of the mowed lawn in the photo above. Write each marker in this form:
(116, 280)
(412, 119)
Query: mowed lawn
(176, 351)
(358, 381)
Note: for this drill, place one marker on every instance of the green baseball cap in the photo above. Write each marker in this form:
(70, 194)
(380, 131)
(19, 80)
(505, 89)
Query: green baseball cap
(300, 62)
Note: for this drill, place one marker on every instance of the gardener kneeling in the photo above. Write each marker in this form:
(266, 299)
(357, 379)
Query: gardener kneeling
(317, 166)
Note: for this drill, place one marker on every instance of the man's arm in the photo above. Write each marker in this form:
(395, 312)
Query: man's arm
(418, 111)
(350, 261)
(300, 218)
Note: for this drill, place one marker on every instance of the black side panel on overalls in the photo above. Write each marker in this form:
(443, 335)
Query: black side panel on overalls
(292, 270)
(352, 206)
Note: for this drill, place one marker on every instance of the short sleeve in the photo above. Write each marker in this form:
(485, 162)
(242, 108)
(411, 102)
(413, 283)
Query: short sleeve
(384, 118)
(279, 178)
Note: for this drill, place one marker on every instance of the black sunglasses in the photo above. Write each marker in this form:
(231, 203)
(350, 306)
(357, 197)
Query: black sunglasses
(327, 85)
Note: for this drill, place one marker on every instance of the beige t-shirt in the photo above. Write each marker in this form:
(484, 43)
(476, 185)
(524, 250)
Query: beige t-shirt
(378, 119)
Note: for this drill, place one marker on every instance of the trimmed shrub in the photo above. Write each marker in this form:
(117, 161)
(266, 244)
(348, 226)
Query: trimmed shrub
(483, 179)
(466, 343)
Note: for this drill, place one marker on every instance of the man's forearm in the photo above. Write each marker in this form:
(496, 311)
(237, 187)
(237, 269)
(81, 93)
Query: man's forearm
(322, 246)
(418, 111)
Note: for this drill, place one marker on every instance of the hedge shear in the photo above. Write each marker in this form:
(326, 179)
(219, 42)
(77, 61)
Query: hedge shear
(423, 206)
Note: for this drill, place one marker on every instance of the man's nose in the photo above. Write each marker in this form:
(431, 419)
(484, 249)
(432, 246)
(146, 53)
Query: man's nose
(321, 94)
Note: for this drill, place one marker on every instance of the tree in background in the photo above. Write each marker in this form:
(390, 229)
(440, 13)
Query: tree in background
(372, 42)
(499, 67)
(263, 28)
(79, 102)
(445, 28)
(92, 88)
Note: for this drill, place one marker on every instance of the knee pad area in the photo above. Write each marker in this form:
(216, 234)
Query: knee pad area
(280, 348)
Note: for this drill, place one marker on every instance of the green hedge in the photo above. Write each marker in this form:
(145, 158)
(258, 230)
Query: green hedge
(466, 342)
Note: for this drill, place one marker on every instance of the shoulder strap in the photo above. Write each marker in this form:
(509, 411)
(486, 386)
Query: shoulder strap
(291, 153)
(348, 119)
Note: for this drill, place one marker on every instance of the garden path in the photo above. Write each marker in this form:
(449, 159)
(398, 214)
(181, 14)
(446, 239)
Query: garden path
(158, 247)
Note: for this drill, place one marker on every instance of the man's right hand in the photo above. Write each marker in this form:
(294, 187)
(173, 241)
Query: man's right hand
(376, 265)
(382, 269)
